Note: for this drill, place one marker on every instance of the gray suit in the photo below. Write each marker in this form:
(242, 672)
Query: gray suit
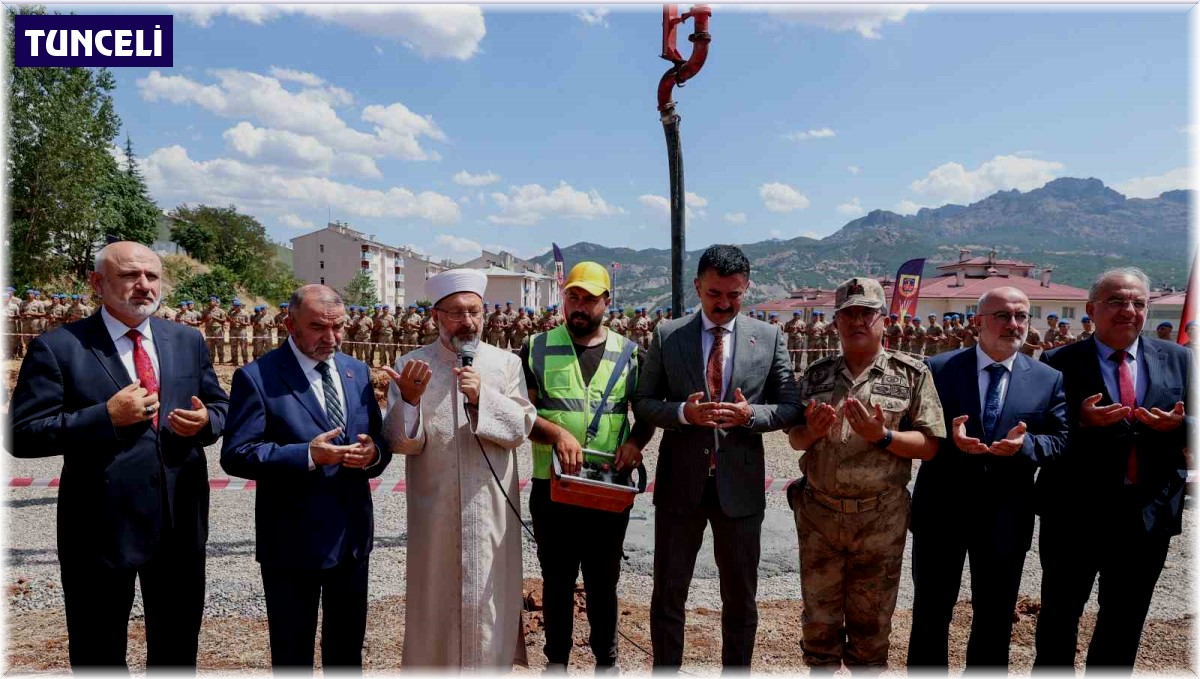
(686, 498)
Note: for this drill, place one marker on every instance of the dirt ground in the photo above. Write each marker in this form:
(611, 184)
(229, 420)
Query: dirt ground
(38, 641)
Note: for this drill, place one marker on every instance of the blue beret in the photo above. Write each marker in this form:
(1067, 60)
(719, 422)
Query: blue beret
(893, 315)
(284, 305)
(214, 298)
(1086, 319)
(10, 289)
(74, 296)
(420, 308)
(497, 305)
(970, 314)
(413, 306)
(1052, 315)
(509, 302)
(237, 302)
(797, 313)
(773, 314)
(1165, 324)
(378, 306)
(386, 306)
(1067, 321)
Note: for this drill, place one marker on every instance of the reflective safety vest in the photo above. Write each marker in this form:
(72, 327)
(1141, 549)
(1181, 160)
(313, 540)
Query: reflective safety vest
(563, 399)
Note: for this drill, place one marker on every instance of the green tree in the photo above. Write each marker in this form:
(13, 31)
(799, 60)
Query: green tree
(61, 174)
(238, 241)
(197, 287)
(129, 214)
(360, 290)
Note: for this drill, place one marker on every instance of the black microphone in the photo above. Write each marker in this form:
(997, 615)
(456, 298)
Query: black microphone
(466, 354)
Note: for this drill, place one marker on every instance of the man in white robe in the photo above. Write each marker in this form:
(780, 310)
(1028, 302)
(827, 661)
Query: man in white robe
(463, 587)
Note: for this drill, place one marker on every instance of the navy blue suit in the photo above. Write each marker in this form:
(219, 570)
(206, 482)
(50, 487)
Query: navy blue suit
(313, 529)
(133, 500)
(1094, 523)
(979, 505)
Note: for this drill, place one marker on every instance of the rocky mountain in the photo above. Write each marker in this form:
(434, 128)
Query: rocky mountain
(1077, 227)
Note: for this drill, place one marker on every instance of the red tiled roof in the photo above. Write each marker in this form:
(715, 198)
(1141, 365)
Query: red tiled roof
(980, 261)
(944, 287)
(1169, 298)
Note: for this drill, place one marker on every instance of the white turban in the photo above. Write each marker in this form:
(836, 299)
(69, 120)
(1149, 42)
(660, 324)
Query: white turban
(456, 280)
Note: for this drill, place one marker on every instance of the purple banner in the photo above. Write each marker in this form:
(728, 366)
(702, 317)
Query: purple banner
(111, 40)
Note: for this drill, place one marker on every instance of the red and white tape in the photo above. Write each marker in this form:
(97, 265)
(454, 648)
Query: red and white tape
(772, 485)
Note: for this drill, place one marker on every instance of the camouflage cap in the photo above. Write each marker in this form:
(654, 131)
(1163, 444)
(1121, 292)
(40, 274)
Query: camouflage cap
(866, 292)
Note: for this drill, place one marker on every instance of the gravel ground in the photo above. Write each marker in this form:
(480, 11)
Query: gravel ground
(235, 587)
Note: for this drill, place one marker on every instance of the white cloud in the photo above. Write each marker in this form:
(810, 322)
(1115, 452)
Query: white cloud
(866, 20)
(662, 205)
(296, 222)
(853, 208)
(823, 133)
(311, 112)
(1151, 187)
(173, 178)
(853, 169)
(775, 233)
(306, 79)
(735, 217)
(458, 245)
(782, 198)
(296, 151)
(1189, 129)
(378, 50)
(594, 17)
(432, 31)
(811, 234)
(907, 207)
(531, 203)
(465, 178)
(953, 183)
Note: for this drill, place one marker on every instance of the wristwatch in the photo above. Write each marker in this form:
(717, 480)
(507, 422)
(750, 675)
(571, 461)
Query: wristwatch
(886, 440)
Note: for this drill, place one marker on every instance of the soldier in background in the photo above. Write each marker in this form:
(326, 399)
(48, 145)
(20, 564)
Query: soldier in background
(639, 329)
(1164, 330)
(870, 413)
(239, 333)
(1064, 333)
(12, 324)
(75, 312)
(164, 312)
(262, 324)
(893, 334)
(88, 309)
(621, 324)
(495, 328)
(522, 328)
(795, 340)
(362, 335)
(556, 317)
(833, 345)
(816, 337)
(33, 313)
(1050, 337)
(429, 328)
(908, 336)
(214, 329)
(410, 330)
(933, 337)
(970, 332)
(658, 318)
(612, 317)
(56, 315)
(510, 315)
(281, 331)
(1089, 329)
(190, 317)
(385, 328)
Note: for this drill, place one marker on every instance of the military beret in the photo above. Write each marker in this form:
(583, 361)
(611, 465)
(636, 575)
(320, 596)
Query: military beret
(509, 302)
(237, 302)
(796, 313)
(10, 289)
(387, 306)
(893, 315)
(970, 314)
(497, 305)
(1086, 319)
(1067, 321)
(1165, 324)
(774, 314)
(284, 305)
(1051, 315)
(420, 308)
(214, 298)
(378, 306)
(414, 306)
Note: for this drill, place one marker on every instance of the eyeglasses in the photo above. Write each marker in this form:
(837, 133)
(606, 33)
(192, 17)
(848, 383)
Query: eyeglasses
(1004, 317)
(859, 314)
(458, 316)
(1120, 304)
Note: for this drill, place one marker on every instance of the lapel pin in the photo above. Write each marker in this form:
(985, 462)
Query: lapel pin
(349, 375)
(753, 341)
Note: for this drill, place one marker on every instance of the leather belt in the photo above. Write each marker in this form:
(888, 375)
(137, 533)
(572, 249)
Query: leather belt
(850, 505)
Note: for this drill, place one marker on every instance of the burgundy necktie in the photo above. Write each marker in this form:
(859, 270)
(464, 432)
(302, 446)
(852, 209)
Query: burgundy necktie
(145, 369)
(1129, 399)
(715, 375)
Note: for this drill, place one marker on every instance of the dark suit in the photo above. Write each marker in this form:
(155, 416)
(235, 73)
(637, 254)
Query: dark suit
(133, 501)
(313, 529)
(686, 498)
(979, 505)
(1094, 523)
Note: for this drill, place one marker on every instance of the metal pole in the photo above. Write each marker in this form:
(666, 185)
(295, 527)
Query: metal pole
(670, 121)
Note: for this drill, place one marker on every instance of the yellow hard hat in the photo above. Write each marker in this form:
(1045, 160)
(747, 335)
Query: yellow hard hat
(589, 276)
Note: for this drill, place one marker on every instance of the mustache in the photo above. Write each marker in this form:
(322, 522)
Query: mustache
(722, 310)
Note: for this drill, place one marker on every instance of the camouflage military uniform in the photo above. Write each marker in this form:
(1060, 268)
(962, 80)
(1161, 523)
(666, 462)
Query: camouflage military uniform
(262, 333)
(385, 332)
(410, 332)
(12, 327)
(75, 312)
(239, 335)
(894, 335)
(429, 330)
(852, 515)
(1084, 334)
(833, 344)
(164, 312)
(511, 315)
(918, 339)
(1050, 337)
(281, 331)
(522, 328)
(1063, 337)
(362, 337)
(640, 332)
(33, 318)
(969, 335)
(214, 333)
(795, 341)
(816, 340)
(950, 337)
(933, 339)
(1032, 342)
(57, 315)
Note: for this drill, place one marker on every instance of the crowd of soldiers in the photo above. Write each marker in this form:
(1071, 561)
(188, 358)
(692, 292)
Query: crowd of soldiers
(812, 340)
(28, 318)
(509, 328)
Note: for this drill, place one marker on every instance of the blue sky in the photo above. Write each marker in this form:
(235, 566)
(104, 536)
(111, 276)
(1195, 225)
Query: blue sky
(455, 128)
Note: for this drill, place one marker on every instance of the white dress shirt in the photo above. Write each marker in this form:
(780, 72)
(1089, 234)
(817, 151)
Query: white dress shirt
(117, 329)
(706, 345)
(309, 367)
(982, 361)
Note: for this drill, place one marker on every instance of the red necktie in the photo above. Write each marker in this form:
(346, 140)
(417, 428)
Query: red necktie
(145, 369)
(715, 374)
(1129, 399)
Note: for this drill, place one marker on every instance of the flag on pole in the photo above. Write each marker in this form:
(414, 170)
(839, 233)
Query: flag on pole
(1189, 304)
(908, 289)
(558, 266)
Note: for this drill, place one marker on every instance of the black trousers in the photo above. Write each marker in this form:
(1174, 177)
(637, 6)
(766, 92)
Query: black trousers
(736, 546)
(937, 563)
(293, 596)
(1128, 563)
(570, 538)
(98, 602)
